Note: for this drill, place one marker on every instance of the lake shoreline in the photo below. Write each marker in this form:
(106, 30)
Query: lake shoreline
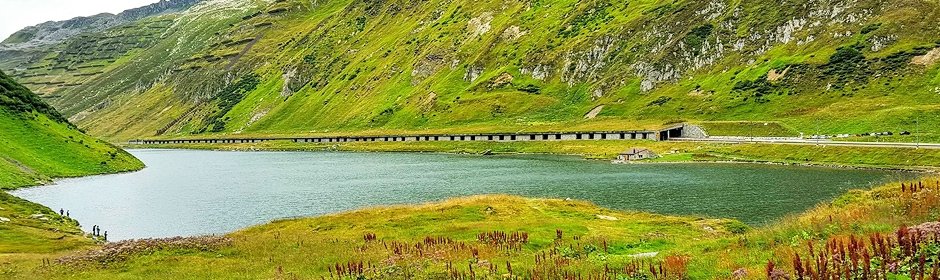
(191, 174)
(587, 156)
(597, 233)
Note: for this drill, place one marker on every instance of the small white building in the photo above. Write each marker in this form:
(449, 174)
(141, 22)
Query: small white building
(635, 154)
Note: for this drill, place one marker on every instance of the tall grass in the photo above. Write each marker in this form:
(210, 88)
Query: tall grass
(912, 251)
(565, 259)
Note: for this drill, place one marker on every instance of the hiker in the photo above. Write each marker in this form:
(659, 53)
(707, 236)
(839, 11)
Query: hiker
(67, 213)
(93, 229)
(106, 235)
(61, 212)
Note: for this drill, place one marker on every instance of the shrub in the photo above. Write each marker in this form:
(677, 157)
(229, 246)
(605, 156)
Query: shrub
(696, 38)
(530, 88)
(736, 227)
(871, 28)
(20, 99)
(662, 100)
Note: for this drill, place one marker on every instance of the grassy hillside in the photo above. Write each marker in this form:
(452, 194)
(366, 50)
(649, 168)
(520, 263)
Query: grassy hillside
(498, 237)
(36, 229)
(292, 67)
(36, 145)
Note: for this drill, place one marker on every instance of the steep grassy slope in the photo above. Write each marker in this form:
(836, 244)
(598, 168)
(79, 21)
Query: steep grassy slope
(500, 237)
(292, 67)
(39, 144)
(36, 145)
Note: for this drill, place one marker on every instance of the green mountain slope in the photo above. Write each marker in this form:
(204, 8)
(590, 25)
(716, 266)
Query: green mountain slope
(37, 143)
(298, 67)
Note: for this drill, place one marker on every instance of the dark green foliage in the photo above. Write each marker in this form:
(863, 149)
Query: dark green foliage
(497, 110)
(846, 65)
(871, 28)
(231, 96)
(318, 66)
(530, 88)
(760, 88)
(372, 7)
(736, 227)
(849, 65)
(846, 59)
(360, 24)
(899, 60)
(19, 99)
(696, 38)
(847, 68)
(662, 100)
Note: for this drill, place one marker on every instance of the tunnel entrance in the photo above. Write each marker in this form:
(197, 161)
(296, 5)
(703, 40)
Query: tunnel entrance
(672, 132)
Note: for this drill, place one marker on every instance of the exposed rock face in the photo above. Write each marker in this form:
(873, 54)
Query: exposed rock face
(480, 25)
(426, 67)
(473, 72)
(774, 76)
(928, 59)
(57, 31)
(579, 66)
(513, 33)
(539, 72)
(285, 89)
(501, 81)
(594, 112)
(694, 131)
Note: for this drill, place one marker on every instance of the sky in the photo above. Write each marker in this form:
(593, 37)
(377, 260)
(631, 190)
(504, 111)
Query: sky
(17, 14)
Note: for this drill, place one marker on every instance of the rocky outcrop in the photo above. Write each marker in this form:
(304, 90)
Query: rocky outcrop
(693, 131)
(928, 59)
(582, 65)
(479, 25)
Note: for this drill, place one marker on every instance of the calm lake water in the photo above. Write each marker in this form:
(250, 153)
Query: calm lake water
(184, 192)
